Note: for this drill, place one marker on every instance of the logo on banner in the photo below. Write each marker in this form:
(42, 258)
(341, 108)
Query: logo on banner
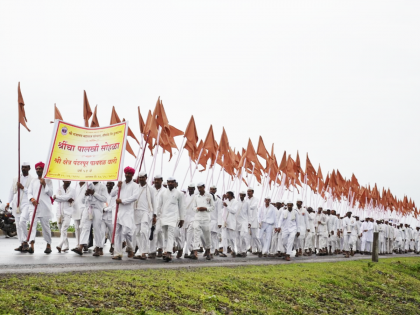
(64, 131)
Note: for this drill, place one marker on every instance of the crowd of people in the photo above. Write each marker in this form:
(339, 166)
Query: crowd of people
(160, 220)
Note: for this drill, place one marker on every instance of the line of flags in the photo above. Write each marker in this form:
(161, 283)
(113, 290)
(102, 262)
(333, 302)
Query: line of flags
(287, 174)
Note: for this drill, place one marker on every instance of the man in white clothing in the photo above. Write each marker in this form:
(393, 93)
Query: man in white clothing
(43, 207)
(255, 242)
(95, 198)
(276, 246)
(78, 208)
(267, 218)
(303, 229)
(229, 225)
(332, 221)
(143, 217)
(288, 225)
(189, 221)
(321, 231)
(242, 217)
(64, 197)
(108, 214)
(367, 236)
(310, 236)
(157, 241)
(349, 234)
(216, 221)
(203, 205)
(21, 213)
(125, 226)
(170, 207)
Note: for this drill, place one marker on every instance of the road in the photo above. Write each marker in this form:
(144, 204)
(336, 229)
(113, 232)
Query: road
(16, 262)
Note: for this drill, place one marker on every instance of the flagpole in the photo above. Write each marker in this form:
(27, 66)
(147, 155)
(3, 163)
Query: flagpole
(179, 156)
(18, 178)
(183, 182)
(144, 150)
(196, 165)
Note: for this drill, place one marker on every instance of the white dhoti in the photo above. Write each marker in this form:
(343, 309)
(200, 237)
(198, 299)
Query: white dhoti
(77, 231)
(309, 241)
(201, 227)
(46, 229)
(65, 223)
(168, 238)
(265, 236)
(121, 233)
(288, 239)
(229, 240)
(97, 227)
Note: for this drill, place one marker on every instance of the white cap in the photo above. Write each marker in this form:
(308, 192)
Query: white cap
(250, 188)
(171, 179)
(26, 164)
(242, 192)
(289, 201)
(213, 186)
(200, 184)
(191, 185)
(299, 199)
(278, 201)
(165, 183)
(158, 176)
(282, 201)
(142, 173)
(267, 197)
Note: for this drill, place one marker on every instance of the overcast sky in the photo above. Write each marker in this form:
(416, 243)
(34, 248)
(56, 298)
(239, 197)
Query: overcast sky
(339, 80)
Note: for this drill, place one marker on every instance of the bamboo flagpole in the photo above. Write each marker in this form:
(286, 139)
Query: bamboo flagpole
(144, 150)
(179, 156)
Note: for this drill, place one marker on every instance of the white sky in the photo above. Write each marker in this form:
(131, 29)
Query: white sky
(337, 79)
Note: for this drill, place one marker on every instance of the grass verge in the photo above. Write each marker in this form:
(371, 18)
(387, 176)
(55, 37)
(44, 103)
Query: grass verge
(391, 286)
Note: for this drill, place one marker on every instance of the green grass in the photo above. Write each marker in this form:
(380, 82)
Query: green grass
(391, 286)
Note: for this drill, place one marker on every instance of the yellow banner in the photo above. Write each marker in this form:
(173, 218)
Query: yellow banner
(86, 154)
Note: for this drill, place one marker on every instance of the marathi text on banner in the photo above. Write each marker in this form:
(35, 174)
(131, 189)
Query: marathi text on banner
(86, 154)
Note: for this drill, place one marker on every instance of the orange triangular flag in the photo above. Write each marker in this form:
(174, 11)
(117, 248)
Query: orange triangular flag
(87, 112)
(141, 121)
(95, 122)
(160, 115)
(57, 114)
(261, 150)
(116, 120)
(21, 104)
(283, 163)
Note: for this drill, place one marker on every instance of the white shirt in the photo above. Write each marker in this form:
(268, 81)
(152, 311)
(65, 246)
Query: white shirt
(253, 212)
(268, 214)
(24, 201)
(189, 210)
(170, 207)
(44, 208)
(128, 195)
(229, 213)
(63, 206)
(288, 223)
(145, 204)
(109, 210)
(205, 201)
(242, 216)
(97, 200)
(79, 201)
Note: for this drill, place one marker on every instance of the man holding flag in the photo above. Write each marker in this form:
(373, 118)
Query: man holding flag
(44, 189)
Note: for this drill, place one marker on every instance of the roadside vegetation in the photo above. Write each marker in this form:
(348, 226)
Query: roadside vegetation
(391, 286)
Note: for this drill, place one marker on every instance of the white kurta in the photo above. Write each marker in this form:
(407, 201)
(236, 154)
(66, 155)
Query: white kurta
(79, 201)
(242, 216)
(128, 195)
(24, 201)
(64, 207)
(145, 204)
(44, 208)
(170, 207)
(253, 212)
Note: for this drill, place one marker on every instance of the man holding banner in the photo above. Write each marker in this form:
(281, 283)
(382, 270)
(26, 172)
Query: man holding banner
(125, 221)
